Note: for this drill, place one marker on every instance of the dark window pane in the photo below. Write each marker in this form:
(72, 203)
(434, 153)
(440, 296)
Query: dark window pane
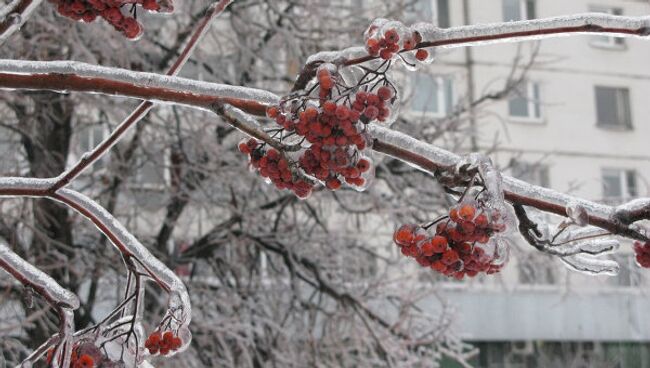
(443, 14)
(530, 9)
(613, 106)
(630, 177)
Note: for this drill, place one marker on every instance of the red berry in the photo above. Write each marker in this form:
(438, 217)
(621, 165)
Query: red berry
(439, 243)
(329, 107)
(391, 36)
(421, 54)
(371, 112)
(333, 183)
(404, 235)
(272, 112)
(467, 212)
(385, 93)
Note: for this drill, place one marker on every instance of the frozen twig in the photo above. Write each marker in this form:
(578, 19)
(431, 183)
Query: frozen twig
(14, 15)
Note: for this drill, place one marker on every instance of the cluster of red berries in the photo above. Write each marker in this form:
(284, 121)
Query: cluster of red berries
(111, 11)
(642, 252)
(334, 132)
(457, 246)
(274, 166)
(163, 343)
(77, 360)
(331, 166)
(389, 43)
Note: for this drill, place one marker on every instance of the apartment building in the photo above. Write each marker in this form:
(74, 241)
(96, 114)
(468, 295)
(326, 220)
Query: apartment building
(572, 115)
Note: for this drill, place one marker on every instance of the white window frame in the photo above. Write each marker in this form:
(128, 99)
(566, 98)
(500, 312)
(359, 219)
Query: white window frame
(607, 42)
(441, 96)
(523, 11)
(533, 105)
(622, 174)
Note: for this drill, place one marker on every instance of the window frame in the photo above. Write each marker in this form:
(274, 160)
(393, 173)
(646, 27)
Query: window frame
(533, 104)
(627, 125)
(623, 175)
(607, 42)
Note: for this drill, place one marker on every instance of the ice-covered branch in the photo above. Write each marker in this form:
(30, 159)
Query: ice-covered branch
(430, 158)
(33, 278)
(252, 101)
(75, 76)
(14, 15)
(535, 29)
(62, 300)
(179, 307)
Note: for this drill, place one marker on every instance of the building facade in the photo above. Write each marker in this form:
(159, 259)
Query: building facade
(568, 113)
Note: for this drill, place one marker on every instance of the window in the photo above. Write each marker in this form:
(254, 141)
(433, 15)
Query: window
(432, 95)
(151, 170)
(518, 10)
(87, 139)
(422, 11)
(619, 184)
(443, 14)
(525, 102)
(607, 41)
(613, 107)
(533, 173)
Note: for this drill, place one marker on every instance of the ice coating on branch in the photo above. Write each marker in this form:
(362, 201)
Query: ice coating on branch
(138, 78)
(336, 57)
(592, 265)
(431, 152)
(634, 205)
(483, 34)
(31, 276)
(537, 192)
(592, 247)
(242, 117)
(18, 183)
(179, 303)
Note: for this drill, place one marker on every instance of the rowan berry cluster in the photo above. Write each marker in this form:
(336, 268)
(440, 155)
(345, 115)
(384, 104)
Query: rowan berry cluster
(642, 252)
(272, 165)
(384, 40)
(78, 359)
(163, 343)
(111, 11)
(328, 125)
(458, 246)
